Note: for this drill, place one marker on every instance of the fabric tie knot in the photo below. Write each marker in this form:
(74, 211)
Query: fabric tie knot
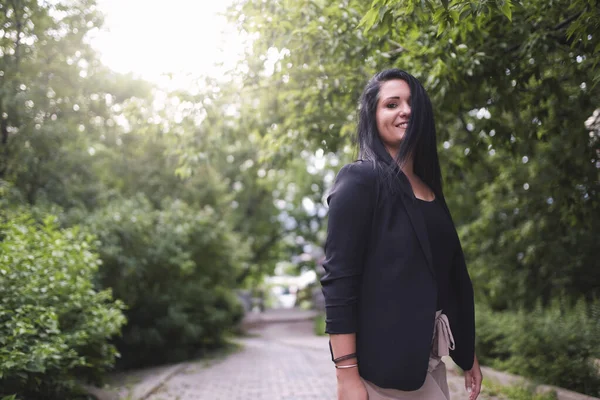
(443, 339)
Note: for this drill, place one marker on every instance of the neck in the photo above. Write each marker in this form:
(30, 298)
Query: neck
(407, 168)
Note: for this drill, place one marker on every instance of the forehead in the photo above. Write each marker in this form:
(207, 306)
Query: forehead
(394, 88)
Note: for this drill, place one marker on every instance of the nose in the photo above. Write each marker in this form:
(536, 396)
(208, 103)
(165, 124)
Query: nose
(404, 109)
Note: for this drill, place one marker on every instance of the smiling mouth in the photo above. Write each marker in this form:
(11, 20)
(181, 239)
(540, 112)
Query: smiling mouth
(402, 125)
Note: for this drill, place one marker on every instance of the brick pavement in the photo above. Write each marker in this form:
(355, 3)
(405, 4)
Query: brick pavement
(284, 361)
(264, 370)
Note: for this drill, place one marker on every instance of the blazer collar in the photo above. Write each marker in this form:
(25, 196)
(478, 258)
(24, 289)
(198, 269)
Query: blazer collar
(417, 219)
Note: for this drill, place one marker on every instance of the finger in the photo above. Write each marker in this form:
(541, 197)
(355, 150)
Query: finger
(477, 379)
(473, 389)
(477, 392)
(468, 381)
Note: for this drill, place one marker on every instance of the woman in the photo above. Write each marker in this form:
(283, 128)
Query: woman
(397, 292)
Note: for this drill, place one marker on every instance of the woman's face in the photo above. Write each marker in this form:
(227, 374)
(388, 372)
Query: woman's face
(393, 113)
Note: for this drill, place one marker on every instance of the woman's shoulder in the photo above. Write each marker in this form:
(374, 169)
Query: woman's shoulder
(355, 182)
(359, 172)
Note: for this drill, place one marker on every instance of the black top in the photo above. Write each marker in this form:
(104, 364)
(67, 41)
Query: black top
(380, 282)
(444, 243)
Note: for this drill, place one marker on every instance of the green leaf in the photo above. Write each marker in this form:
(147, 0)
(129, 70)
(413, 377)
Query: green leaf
(454, 16)
(369, 19)
(464, 14)
(429, 4)
(440, 15)
(506, 9)
(441, 28)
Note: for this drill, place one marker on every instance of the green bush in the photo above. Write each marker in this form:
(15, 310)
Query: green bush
(54, 327)
(519, 392)
(319, 325)
(557, 345)
(175, 270)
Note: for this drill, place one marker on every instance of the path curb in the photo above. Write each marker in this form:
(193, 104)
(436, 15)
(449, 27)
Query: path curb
(141, 392)
(508, 379)
(151, 386)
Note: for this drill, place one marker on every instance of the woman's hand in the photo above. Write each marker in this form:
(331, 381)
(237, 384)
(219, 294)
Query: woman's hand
(473, 380)
(350, 386)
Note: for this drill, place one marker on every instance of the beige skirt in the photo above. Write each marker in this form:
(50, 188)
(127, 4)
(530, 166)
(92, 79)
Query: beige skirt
(436, 384)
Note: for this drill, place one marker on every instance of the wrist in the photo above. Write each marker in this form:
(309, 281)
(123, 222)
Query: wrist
(344, 374)
(347, 375)
(348, 361)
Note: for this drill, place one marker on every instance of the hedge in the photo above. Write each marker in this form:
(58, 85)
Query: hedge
(557, 345)
(54, 326)
(175, 269)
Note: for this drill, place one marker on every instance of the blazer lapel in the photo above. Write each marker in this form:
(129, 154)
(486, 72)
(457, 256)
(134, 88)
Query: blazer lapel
(410, 203)
(417, 219)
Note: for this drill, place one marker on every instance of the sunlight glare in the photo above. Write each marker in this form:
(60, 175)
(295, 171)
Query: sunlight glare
(186, 39)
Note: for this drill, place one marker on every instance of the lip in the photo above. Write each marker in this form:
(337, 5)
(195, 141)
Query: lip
(403, 122)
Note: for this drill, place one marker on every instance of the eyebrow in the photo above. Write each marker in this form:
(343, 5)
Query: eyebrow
(397, 98)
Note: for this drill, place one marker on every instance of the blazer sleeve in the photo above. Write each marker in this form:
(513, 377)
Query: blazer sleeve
(465, 340)
(464, 331)
(351, 206)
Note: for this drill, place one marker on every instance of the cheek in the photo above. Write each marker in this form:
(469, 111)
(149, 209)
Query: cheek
(383, 118)
(378, 117)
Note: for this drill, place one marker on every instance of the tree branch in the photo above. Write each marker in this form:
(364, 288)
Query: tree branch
(250, 209)
(513, 48)
(462, 119)
(567, 21)
(4, 141)
(258, 254)
(399, 48)
(3, 127)
(266, 246)
(558, 27)
(19, 26)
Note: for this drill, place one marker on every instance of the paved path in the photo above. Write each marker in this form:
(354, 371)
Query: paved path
(262, 371)
(281, 359)
(284, 361)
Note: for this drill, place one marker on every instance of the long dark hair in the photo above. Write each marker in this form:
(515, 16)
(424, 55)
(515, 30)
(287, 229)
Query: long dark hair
(419, 141)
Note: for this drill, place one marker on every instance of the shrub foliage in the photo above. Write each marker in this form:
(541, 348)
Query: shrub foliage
(558, 345)
(54, 326)
(175, 269)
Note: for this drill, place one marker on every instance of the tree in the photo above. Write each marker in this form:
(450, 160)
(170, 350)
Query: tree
(55, 99)
(98, 148)
(221, 137)
(512, 85)
(56, 327)
(175, 268)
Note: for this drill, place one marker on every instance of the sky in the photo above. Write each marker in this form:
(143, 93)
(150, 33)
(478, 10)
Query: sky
(183, 37)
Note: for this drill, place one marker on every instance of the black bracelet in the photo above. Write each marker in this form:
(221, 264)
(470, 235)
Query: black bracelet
(344, 358)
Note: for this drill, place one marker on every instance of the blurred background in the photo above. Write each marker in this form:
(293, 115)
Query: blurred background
(163, 170)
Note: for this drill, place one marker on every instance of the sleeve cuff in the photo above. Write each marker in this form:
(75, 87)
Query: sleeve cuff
(340, 320)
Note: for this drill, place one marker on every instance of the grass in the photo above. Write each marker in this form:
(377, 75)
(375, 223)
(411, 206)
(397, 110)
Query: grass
(319, 325)
(519, 392)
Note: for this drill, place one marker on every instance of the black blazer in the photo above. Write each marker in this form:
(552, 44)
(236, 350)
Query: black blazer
(379, 280)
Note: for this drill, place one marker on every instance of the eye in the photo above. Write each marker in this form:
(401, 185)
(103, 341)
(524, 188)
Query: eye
(392, 105)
